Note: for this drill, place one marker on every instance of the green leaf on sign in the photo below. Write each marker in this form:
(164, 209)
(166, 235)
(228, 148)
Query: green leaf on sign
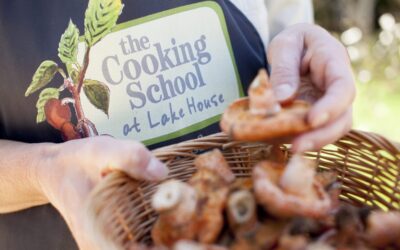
(98, 94)
(68, 46)
(44, 96)
(100, 17)
(43, 75)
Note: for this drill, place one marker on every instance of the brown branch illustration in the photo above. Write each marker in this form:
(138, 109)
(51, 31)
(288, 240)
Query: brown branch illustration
(78, 106)
(83, 71)
(76, 91)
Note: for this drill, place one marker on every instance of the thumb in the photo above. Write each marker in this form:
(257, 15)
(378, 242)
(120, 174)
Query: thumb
(147, 168)
(284, 57)
(136, 160)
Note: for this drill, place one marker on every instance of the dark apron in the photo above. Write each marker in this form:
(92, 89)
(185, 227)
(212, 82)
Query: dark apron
(29, 34)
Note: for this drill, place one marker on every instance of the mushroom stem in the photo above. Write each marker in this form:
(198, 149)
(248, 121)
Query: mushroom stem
(242, 210)
(176, 202)
(167, 196)
(262, 98)
(298, 177)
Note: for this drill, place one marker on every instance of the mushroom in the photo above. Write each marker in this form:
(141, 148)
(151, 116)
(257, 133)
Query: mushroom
(185, 245)
(260, 117)
(211, 182)
(194, 211)
(319, 246)
(264, 235)
(291, 191)
(176, 204)
(242, 212)
(348, 230)
(328, 179)
(144, 247)
(348, 226)
(300, 232)
(293, 242)
(249, 232)
(215, 162)
(383, 229)
(245, 183)
(262, 98)
(298, 177)
(306, 226)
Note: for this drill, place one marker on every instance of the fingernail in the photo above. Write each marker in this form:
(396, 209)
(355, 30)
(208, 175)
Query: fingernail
(305, 146)
(156, 170)
(320, 120)
(283, 91)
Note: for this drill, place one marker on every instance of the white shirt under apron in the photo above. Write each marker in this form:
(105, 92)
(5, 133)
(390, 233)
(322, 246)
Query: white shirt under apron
(270, 17)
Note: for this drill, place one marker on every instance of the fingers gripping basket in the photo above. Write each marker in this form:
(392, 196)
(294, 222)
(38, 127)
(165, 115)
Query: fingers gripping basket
(367, 164)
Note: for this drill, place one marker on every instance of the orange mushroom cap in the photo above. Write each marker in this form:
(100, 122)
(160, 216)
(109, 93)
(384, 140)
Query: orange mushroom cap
(260, 117)
(314, 203)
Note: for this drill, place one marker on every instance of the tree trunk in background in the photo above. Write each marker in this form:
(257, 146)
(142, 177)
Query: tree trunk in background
(340, 15)
(361, 13)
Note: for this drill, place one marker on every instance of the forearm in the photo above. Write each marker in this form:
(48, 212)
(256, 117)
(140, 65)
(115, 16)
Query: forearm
(19, 184)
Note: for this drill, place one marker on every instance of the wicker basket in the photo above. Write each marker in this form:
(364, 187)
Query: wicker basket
(368, 166)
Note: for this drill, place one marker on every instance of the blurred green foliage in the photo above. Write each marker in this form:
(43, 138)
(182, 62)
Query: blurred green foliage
(370, 30)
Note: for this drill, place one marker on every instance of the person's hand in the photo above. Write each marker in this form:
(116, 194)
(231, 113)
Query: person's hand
(73, 168)
(307, 59)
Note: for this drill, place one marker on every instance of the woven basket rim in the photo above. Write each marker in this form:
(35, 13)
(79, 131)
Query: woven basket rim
(371, 137)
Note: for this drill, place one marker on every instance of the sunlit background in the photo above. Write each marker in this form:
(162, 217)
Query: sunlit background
(370, 29)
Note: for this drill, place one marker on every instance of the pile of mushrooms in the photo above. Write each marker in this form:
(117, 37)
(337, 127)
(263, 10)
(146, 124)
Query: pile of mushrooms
(193, 210)
(284, 205)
